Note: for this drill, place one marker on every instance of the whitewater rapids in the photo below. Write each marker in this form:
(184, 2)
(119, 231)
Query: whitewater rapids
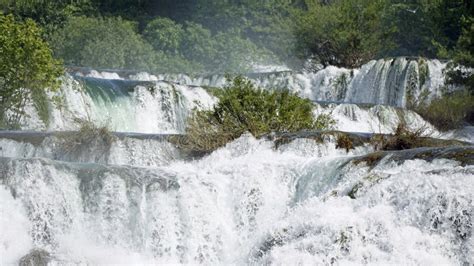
(143, 200)
(247, 203)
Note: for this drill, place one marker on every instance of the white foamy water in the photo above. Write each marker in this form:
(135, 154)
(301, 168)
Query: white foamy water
(245, 203)
(15, 240)
(147, 103)
(127, 106)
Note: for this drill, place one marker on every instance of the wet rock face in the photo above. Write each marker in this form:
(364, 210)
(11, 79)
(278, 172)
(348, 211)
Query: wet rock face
(37, 257)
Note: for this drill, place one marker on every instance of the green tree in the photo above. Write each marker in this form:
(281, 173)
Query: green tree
(27, 67)
(234, 53)
(197, 44)
(103, 43)
(164, 34)
(460, 70)
(50, 15)
(345, 33)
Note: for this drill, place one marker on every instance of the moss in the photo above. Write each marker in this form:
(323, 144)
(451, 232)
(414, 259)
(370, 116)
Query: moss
(319, 137)
(36, 257)
(176, 95)
(343, 240)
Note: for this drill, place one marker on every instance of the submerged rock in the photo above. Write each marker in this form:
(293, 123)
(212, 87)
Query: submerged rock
(464, 155)
(36, 257)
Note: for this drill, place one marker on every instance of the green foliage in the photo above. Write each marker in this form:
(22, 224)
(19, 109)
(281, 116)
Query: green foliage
(268, 24)
(197, 43)
(102, 43)
(41, 104)
(115, 44)
(50, 15)
(27, 67)
(236, 54)
(343, 33)
(244, 108)
(164, 34)
(230, 36)
(460, 70)
(411, 27)
(450, 111)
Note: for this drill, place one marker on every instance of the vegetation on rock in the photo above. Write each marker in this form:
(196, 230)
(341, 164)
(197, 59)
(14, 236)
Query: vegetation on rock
(344, 142)
(450, 111)
(242, 107)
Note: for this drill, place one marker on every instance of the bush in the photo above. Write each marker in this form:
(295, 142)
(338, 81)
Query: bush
(343, 141)
(89, 136)
(403, 138)
(450, 111)
(244, 108)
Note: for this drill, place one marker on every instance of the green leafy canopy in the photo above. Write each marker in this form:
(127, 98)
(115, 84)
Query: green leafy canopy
(27, 66)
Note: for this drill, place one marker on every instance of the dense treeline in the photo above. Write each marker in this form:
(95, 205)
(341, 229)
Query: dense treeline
(231, 35)
(209, 36)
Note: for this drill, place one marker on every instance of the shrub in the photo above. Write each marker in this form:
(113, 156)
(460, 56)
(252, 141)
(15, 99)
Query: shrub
(89, 136)
(402, 139)
(244, 108)
(450, 111)
(344, 142)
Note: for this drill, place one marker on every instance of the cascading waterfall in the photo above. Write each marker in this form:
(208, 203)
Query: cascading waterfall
(122, 105)
(388, 82)
(142, 199)
(145, 103)
(303, 202)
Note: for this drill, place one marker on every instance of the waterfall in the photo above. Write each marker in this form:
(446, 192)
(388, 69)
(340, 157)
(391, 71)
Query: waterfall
(248, 203)
(122, 105)
(138, 198)
(384, 81)
(147, 103)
